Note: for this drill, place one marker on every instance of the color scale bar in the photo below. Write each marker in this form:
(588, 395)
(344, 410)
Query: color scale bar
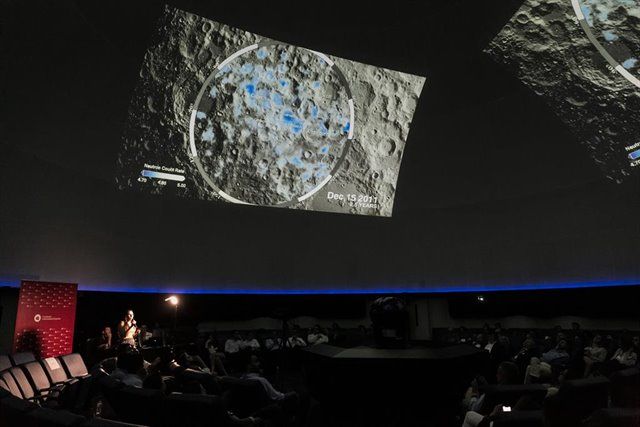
(162, 175)
(634, 155)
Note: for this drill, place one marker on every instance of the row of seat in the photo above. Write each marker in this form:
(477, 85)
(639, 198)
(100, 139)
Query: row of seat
(19, 412)
(17, 359)
(575, 401)
(154, 408)
(39, 380)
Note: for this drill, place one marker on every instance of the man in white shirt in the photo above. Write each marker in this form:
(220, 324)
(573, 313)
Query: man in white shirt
(251, 343)
(254, 373)
(234, 344)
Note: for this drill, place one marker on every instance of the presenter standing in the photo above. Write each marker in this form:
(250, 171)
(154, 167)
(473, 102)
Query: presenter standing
(127, 329)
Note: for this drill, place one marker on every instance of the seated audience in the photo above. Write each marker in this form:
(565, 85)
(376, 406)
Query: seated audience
(104, 342)
(295, 340)
(233, 344)
(253, 371)
(507, 374)
(557, 355)
(491, 341)
(189, 358)
(215, 357)
(316, 336)
(274, 342)
(595, 353)
(624, 357)
(523, 357)
(250, 343)
(130, 368)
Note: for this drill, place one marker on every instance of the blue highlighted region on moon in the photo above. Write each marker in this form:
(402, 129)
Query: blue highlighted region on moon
(616, 25)
(272, 124)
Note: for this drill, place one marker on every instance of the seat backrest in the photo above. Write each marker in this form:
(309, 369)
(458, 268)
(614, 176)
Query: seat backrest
(510, 394)
(618, 417)
(196, 410)
(74, 365)
(137, 405)
(22, 358)
(52, 418)
(518, 419)
(587, 393)
(54, 370)
(102, 422)
(36, 374)
(5, 362)
(625, 388)
(4, 389)
(13, 410)
(11, 384)
(23, 382)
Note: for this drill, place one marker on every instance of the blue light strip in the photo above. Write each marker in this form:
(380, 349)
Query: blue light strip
(351, 291)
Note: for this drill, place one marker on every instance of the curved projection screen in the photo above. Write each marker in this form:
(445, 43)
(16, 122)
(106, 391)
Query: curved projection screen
(133, 134)
(224, 114)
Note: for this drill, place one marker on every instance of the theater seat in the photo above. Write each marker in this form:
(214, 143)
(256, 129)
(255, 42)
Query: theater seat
(22, 358)
(5, 362)
(575, 401)
(54, 370)
(74, 365)
(102, 422)
(4, 389)
(38, 378)
(589, 393)
(196, 410)
(11, 384)
(136, 405)
(510, 394)
(519, 419)
(625, 388)
(13, 410)
(45, 417)
(245, 397)
(23, 383)
(614, 417)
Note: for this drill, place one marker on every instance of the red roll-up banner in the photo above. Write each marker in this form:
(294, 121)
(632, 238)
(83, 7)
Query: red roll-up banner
(46, 318)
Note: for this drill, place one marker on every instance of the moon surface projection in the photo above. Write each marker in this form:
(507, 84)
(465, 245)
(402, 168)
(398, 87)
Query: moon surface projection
(271, 124)
(222, 114)
(613, 26)
(582, 56)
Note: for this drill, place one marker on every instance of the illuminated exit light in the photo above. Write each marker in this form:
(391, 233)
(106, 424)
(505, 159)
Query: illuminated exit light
(162, 175)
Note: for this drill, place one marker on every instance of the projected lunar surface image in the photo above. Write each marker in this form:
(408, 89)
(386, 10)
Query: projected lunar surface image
(224, 114)
(583, 56)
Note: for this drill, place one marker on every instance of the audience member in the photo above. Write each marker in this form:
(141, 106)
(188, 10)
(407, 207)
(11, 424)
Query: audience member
(253, 371)
(104, 342)
(316, 336)
(473, 403)
(130, 368)
(233, 344)
(557, 355)
(295, 340)
(274, 342)
(215, 357)
(523, 357)
(624, 357)
(595, 353)
(250, 343)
